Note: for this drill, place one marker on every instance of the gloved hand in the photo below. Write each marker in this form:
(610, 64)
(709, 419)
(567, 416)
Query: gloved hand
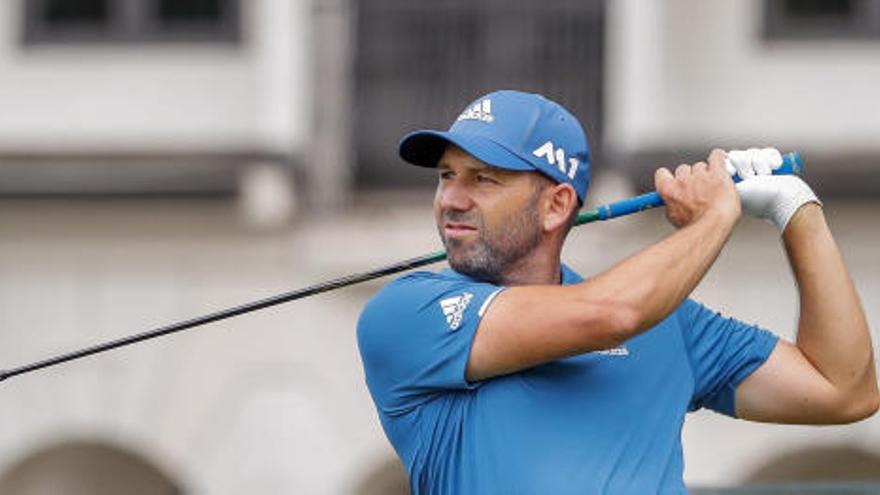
(774, 198)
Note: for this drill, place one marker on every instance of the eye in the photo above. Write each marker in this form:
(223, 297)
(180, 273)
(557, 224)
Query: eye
(486, 178)
(446, 174)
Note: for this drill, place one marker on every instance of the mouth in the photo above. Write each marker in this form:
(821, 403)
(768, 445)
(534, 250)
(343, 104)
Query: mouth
(452, 229)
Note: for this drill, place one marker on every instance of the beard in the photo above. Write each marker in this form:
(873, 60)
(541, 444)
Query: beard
(495, 250)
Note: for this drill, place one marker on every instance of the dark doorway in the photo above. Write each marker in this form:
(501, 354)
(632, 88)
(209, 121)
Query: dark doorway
(86, 468)
(417, 64)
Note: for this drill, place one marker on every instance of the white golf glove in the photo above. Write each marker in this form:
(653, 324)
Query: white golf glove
(774, 198)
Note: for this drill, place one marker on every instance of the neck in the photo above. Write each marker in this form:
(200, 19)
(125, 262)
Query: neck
(540, 267)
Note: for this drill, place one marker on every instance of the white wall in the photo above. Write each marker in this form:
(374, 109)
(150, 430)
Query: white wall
(118, 98)
(271, 402)
(692, 73)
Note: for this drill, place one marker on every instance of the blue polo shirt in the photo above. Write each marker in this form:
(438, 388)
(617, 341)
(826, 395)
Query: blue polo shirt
(597, 423)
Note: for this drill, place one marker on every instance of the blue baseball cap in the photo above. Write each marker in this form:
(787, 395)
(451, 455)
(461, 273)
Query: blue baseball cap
(511, 130)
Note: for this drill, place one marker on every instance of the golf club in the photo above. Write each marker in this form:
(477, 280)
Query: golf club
(792, 164)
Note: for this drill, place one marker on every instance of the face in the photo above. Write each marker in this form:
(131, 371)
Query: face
(488, 218)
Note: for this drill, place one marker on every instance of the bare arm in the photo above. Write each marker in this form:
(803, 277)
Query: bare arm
(829, 375)
(529, 325)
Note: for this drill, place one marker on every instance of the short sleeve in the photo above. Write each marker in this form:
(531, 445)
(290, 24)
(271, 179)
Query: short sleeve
(722, 352)
(415, 337)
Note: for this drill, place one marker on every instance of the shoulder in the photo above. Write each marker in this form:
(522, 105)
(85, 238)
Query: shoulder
(421, 287)
(419, 294)
(708, 329)
(695, 314)
(690, 320)
(414, 335)
(690, 309)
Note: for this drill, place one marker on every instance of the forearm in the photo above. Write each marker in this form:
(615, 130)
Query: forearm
(655, 281)
(832, 330)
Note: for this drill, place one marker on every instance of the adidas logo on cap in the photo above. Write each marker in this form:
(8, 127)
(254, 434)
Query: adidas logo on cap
(481, 110)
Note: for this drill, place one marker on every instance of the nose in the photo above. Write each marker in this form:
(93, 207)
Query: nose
(453, 195)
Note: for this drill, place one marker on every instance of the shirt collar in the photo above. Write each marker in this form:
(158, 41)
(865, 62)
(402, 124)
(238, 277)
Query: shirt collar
(569, 276)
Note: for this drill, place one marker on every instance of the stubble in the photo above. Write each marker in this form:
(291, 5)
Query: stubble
(495, 250)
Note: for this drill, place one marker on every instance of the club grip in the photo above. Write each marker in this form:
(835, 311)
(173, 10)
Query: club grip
(791, 165)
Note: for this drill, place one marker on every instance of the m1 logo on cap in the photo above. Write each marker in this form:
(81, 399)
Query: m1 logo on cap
(556, 156)
(481, 110)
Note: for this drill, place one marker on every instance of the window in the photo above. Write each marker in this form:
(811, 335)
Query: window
(821, 19)
(135, 21)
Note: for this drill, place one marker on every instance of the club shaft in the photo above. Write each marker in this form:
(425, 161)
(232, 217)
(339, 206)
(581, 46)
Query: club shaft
(227, 313)
(792, 165)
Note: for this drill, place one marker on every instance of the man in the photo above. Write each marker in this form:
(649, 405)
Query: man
(510, 373)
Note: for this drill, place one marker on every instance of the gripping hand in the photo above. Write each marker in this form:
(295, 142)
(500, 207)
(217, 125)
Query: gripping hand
(774, 198)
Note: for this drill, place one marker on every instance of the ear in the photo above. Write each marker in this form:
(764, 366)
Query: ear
(559, 203)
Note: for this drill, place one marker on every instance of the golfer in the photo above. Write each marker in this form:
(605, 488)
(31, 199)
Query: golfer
(510, 373)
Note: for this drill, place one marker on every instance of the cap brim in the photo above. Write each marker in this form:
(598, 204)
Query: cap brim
(425, 148)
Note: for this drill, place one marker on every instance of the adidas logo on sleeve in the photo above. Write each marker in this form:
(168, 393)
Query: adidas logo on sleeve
(453, 308)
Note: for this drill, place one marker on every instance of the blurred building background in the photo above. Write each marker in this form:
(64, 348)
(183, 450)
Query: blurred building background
(161, 159)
